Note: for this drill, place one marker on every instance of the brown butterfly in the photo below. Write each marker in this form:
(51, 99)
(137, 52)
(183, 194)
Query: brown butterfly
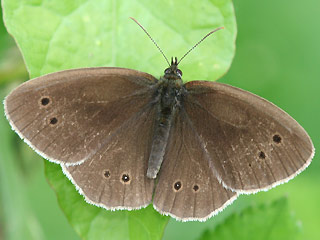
(125, 138)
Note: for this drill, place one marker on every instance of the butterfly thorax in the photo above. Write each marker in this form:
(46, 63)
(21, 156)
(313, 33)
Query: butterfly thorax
(170, 90)
(169, 94)
(169, 97)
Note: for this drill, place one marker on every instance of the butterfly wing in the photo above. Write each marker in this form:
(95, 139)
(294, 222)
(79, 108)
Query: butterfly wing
(187, 188)
(115, 176)
(67, 116)
(252, 144)
(97, 123)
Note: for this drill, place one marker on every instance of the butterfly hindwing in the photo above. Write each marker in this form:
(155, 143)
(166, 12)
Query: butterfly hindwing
(187, 188)
(115, 176)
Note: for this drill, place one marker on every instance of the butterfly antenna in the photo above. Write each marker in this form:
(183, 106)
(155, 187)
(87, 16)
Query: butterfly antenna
(217, 29)
(154, 42)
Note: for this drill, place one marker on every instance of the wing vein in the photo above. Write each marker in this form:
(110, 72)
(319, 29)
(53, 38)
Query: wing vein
(16, 108)
(201, 142)
(280, 159)
(175, 166)
(114, 133)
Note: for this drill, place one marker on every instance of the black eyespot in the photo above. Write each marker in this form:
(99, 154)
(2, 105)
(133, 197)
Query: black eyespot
(45, 101)
(262, 155)
(179, 72)
(195, 188)
(125, 178)
(53, 121)
(106, 174)
(276, 138)
(249, 164)
(177, 185)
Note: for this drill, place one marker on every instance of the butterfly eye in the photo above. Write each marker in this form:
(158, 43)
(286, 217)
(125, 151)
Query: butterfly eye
(167, 71)
(179, 72)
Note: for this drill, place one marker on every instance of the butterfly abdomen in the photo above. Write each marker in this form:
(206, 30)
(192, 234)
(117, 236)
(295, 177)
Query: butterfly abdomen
(169, 95)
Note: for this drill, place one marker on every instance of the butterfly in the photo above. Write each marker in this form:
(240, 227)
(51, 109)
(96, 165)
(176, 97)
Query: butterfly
(126, 139)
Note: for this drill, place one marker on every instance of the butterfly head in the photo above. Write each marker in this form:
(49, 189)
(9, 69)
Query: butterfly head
(173, 72)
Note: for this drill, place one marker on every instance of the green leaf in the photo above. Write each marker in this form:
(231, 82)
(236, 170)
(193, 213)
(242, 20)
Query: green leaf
(57, 35)
(11, 64)
(265, 222)
(19, 221)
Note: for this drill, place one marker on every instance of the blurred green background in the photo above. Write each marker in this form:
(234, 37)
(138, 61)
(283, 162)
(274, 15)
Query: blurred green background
(277, 57)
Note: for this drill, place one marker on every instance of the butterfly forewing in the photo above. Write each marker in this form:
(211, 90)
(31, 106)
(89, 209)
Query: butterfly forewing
(187, 188)
(251, 143)
(67, 116)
